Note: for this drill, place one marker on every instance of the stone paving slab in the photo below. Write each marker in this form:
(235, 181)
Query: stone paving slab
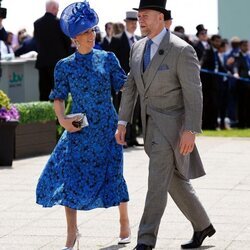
(224, 191)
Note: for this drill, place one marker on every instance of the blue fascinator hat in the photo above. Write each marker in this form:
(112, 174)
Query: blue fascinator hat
(77, 18)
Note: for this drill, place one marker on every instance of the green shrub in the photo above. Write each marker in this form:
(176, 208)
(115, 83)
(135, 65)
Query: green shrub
(31, 112)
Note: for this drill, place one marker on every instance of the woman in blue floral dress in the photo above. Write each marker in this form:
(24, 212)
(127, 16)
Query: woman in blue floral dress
(85, 170)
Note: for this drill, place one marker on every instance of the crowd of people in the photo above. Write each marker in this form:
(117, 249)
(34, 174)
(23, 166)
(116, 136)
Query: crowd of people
(225, 64)
(225, 76)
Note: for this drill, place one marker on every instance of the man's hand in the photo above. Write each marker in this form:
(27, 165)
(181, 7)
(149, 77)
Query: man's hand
(120, 134)
(187, 143)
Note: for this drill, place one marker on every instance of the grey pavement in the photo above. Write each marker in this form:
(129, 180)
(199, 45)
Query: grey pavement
(224, 191)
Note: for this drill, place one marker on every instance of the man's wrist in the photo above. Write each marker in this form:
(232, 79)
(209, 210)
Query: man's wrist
(124, 123)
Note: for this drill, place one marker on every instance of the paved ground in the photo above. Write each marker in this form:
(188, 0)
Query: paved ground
(224, 191)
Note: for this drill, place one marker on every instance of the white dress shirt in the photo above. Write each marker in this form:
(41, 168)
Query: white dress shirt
(129, 36)
(156, 42)
(6, 51)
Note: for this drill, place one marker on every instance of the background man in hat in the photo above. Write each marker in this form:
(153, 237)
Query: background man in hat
(202, 44)
(168, 20)
(165, 72)
(121, 45)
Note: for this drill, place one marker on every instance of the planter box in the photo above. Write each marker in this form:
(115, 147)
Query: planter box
(35, 139)
(7, 138)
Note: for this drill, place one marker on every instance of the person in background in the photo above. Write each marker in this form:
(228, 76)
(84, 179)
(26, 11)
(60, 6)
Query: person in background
(165, 70)
(231, 57)
(202, 44)
(179, 29)
(108, 38)
(180, 32)
(28, 45)
(210, 83)
(18, 39)
(6, 48)
(122, 43)
(118, 28)
(3, 37)
(223, 88)
(85, 170)
(3, 33)
(22, 35)
(98, 38)
(242, 68)
(52, 45)
(168, 19)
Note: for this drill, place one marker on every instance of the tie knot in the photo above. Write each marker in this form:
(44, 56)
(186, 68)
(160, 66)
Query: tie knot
(132, 39)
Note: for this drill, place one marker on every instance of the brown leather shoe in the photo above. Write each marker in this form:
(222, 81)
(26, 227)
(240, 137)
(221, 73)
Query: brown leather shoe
(198, 237)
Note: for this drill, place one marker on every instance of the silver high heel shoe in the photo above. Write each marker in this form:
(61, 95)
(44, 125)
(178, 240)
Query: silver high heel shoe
(126, 240)
(77, 242)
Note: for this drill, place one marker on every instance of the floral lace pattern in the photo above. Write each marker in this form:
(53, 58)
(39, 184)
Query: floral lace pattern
(85, 170)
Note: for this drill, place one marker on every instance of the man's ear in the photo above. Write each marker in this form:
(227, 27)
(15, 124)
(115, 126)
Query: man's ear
(161, 17)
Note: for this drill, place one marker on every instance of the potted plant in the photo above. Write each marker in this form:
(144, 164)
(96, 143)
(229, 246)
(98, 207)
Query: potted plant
(9, 117)
(36, 132)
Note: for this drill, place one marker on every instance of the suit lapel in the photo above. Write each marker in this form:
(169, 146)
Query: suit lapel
(138, 59)
(157, 60)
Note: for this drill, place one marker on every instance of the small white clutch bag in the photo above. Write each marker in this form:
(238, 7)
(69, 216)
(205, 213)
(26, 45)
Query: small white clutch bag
(80, 121)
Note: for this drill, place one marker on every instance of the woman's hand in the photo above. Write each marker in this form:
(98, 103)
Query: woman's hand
(67, 124)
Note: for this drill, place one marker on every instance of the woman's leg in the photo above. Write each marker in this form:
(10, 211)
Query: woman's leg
(124, 221)
(71, 217)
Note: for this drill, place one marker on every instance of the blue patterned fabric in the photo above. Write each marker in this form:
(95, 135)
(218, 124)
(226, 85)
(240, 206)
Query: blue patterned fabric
(85, 170)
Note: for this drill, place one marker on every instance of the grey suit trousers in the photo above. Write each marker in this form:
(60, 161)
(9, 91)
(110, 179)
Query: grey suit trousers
(164, 178)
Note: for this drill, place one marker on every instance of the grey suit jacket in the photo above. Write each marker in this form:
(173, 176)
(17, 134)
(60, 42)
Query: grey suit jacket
(170, 93)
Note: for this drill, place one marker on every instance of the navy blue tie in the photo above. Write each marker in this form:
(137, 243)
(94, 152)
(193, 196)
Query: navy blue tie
(146, 57)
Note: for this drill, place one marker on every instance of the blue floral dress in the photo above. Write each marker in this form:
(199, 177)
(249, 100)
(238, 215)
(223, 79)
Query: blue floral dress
(85, 170)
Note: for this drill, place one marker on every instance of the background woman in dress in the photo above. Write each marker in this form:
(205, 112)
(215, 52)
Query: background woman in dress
(85, 170)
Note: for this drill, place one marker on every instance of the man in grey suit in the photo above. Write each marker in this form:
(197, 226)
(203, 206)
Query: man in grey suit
(164, 70)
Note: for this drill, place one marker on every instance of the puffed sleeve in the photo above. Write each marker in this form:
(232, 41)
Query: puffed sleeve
(61, 88)
(117, 74)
